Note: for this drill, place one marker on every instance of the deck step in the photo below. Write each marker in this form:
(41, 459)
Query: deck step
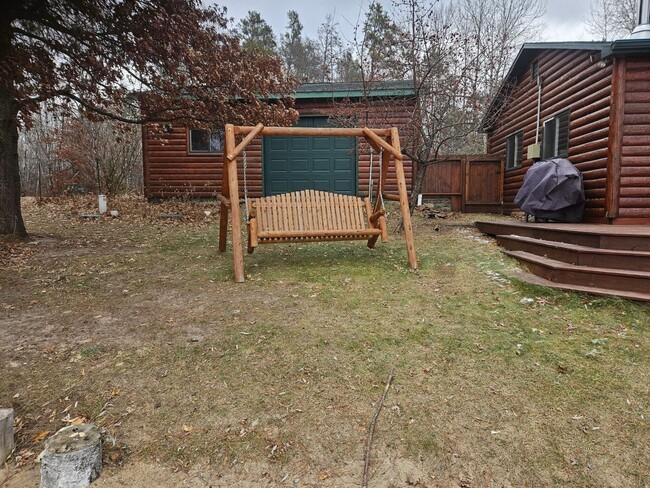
(577, 254)
(587, 276)
(537, 280)
(630, 238)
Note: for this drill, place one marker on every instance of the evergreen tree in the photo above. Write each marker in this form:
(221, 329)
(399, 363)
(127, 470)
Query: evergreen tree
(300, 56)
(255, 34)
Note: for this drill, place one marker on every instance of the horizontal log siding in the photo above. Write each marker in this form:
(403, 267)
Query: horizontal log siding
(634, 202)
(172, 171)
(571, 81)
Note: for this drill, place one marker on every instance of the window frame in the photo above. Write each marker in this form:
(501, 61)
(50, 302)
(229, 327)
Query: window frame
(557, 151)
(218, 136)
(518, 140)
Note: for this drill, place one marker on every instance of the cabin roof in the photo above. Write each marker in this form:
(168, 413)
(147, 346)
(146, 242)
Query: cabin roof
(400, 88)
(528, 52)
(631, 46)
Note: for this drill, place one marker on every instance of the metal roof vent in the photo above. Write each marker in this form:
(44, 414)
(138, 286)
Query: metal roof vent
(642, 30)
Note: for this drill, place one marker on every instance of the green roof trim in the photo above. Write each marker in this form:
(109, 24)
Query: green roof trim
(631, 46)
(354, 94)
(342, 90)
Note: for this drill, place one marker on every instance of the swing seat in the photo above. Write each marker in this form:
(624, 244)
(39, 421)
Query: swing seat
(312, 216)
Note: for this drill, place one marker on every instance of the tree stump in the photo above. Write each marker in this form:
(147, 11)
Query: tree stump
(72, 457)
(6, 433)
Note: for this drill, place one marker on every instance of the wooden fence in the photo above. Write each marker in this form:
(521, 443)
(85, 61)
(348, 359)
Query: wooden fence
(473, 183)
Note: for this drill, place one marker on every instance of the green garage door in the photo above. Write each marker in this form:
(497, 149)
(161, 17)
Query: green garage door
(310, 163)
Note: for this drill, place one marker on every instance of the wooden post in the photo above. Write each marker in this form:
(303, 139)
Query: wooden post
(72, 457)
(404, 202)
(615, 141)
(226, 202)
(245, 142)
(6, 433)
(223, 213)
(235, 212)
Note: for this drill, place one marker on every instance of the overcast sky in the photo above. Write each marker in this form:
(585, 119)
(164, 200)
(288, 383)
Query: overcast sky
(564, 18)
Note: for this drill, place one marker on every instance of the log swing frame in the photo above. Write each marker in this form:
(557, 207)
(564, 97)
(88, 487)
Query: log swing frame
(383, 141)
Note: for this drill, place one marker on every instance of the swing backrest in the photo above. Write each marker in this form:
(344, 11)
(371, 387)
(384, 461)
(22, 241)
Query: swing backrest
(311, 214)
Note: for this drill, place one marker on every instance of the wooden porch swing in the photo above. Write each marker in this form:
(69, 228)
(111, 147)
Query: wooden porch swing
(308, 215)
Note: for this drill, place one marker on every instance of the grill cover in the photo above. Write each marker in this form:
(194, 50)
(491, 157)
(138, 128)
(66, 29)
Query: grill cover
(553, 190)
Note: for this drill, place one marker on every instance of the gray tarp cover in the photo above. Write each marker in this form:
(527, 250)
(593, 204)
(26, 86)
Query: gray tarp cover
(553, 190)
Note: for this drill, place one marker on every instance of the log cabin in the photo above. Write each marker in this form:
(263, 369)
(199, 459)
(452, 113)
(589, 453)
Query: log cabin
(588, 102)
(186, 162)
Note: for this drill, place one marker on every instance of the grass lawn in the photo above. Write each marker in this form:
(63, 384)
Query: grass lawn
(135, 324)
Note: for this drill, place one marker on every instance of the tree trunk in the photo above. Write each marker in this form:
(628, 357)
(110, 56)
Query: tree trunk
(72, 457)
(418, 179)
(6, 434)
(11, 220)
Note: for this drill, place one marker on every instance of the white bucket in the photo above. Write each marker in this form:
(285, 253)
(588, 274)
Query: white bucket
(102, 204)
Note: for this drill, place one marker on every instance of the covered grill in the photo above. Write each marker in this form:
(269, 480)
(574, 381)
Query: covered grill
(553, 190)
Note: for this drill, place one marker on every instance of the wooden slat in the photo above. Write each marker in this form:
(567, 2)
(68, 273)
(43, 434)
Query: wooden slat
(328, 209)
(317, 233)
(302, 217)
(338, 221)
(285, 212)
(360, 212)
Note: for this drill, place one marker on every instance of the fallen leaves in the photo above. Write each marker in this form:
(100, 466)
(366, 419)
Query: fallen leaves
(40, 436)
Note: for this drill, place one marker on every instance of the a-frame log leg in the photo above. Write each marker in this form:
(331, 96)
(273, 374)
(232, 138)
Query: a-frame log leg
(404, 202)
(223, 213)
(235, 214)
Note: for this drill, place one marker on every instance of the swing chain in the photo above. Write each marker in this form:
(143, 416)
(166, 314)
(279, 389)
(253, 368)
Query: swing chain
(381, 189)
(245, 161)
(370, 182)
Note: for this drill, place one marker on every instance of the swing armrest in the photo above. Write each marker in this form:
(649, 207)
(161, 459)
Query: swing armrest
(375, 217)
(224, 200)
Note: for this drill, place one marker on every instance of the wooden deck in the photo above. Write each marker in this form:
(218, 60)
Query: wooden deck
(609, 260)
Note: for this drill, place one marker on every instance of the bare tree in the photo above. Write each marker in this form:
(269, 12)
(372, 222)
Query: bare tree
(496, 29)
(38, 153)
(331, 46)
(101, 155)
(611, 19)
(456, 56)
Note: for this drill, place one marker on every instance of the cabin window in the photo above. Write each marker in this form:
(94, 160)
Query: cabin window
(514, 150)
(556, 136)
(534, 70)
(206, 141)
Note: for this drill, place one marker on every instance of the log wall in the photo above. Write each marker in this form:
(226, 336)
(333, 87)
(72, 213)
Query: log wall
(170, 170)
(572, 80)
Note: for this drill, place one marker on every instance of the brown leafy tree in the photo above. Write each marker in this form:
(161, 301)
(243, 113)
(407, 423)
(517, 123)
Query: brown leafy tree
(93, 55)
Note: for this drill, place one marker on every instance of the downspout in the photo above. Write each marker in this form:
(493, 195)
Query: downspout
(539, 107)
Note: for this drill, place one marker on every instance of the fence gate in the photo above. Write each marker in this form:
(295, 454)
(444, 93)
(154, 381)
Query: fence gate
(472, 183)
